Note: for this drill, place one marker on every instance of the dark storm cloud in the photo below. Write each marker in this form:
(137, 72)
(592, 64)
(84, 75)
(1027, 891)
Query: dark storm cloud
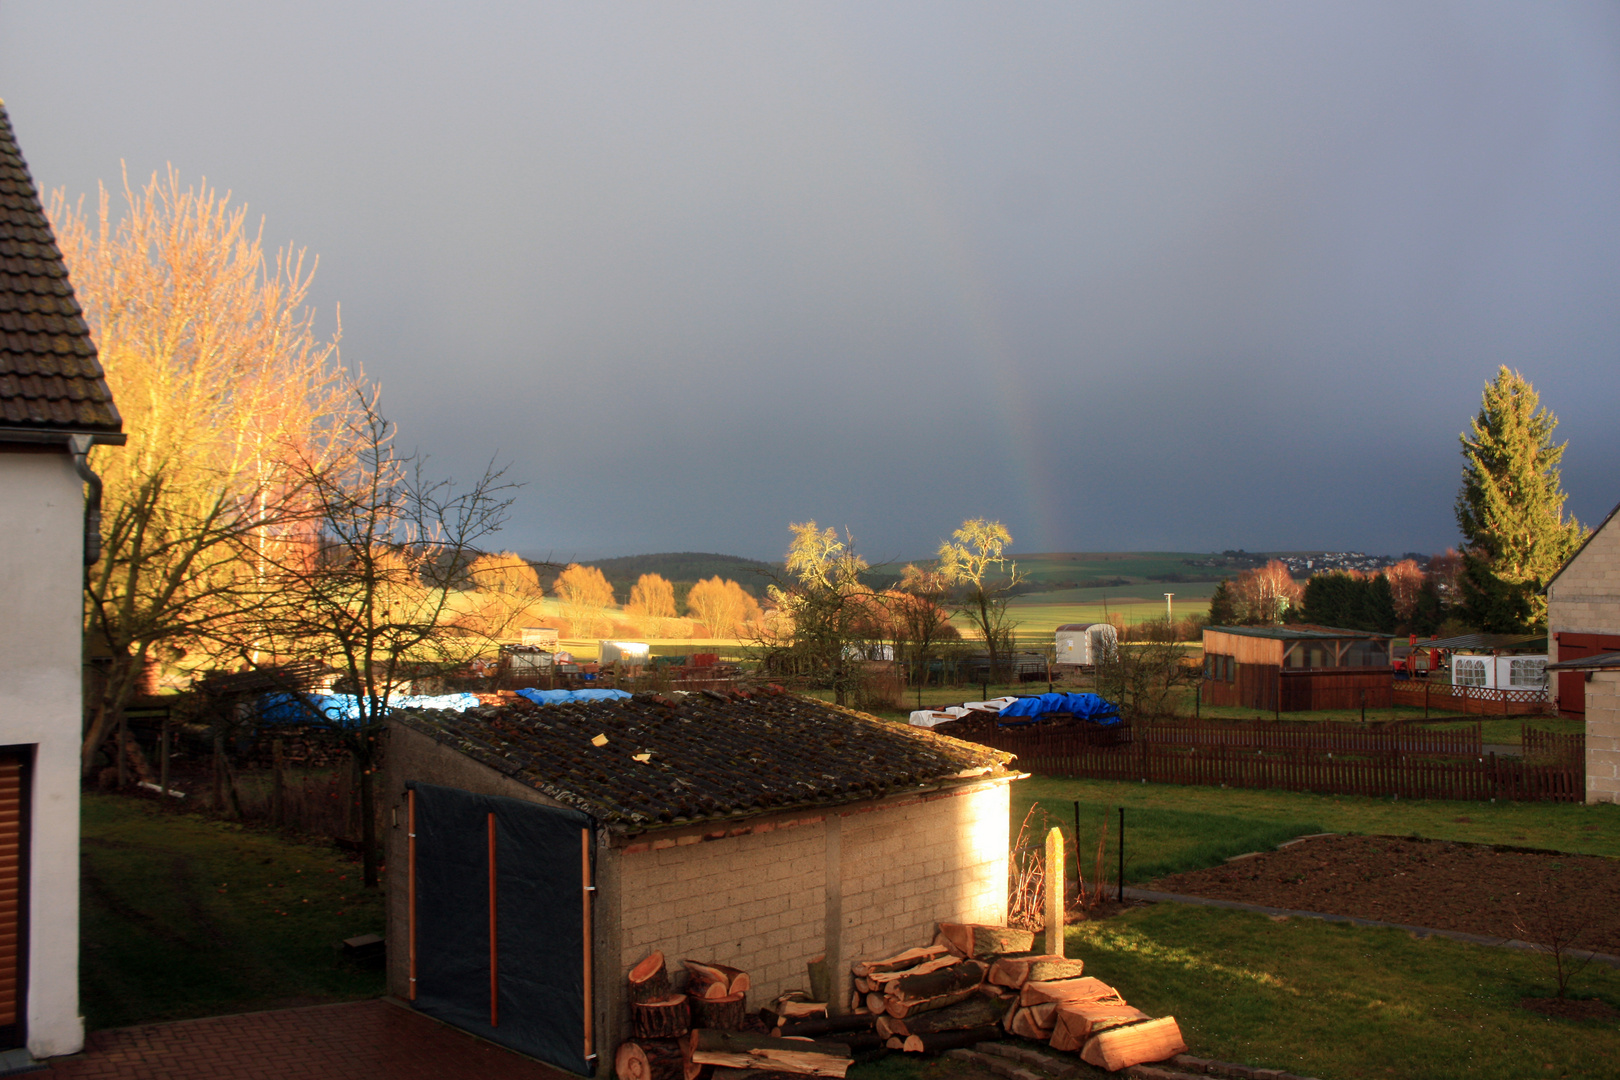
(1126, 276)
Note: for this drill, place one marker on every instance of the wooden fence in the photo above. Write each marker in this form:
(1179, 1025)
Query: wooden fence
(1408, 776)
(1485, 701)
(1553, 744)
(1317, 737)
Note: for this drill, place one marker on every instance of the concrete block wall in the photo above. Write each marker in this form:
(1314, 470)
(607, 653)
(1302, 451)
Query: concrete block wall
(1603, 737)
(941, 858)
(755, 901)
(1586, 597)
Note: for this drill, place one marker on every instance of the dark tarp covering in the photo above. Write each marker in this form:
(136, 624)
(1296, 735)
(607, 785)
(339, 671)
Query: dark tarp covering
(539, 931)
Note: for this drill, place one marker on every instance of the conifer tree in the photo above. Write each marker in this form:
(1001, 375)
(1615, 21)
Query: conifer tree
(1510, 509)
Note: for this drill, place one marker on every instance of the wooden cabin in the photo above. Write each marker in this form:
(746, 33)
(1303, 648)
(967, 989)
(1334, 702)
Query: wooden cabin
(1296, 668)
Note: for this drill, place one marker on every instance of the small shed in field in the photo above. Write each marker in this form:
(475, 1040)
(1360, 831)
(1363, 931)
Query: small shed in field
(1083, 644)
(1296, 668)
(539, 852)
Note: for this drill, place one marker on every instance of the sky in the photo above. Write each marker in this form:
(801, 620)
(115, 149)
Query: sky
(1125, 276)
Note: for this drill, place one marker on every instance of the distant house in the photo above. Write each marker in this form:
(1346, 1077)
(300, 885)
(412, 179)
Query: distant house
(1583, 612)
(54, 405)
(539, 852)
(1295, 668)
(1583, 623)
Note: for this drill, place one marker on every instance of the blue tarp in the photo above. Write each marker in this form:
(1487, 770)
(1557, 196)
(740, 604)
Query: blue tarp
(562, 697)
(1083, 706)
(344, 709)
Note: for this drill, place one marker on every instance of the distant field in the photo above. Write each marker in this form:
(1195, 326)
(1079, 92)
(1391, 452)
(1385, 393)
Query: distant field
(1042, 613)
(1081, 566)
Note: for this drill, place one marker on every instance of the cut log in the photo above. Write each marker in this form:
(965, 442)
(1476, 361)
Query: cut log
(903, 1007)
(1077, 1021)
(1086, 989)
(963, 975)
(876, 1003)
(669, 1018)
(898, 962)
(649, 980)
(714, 980)
(857, 1002)
(894, 1042)
(737, 1050)
(743, 1041)
(719, 1014)
(858, 1042)
(937, 1042)
(981, 940)
(888, 1025)
(651, 1059)
(879, 979)
(977, 1010)
(1015, 971)
(1134, 1044)
(1023, 1024)
(788, 1011)
(820, 976)
(823, 1025)
(863, 984)
(912, 1045)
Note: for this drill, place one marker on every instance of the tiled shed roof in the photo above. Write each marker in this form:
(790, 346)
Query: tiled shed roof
(50, 380)
(711, 757)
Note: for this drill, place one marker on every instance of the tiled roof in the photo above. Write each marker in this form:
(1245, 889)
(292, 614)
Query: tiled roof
(50, 380)
(1297, 632)
(711, 756)
(1602, 661)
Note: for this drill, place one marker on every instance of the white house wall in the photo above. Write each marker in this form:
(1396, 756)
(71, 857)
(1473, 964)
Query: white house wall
(41, 605)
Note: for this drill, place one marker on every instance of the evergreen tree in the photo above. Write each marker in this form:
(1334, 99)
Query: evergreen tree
(1511, 509)
(1223, 605)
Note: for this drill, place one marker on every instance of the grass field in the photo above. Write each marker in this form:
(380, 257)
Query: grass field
(185, 916)
(1170, 829)
(1334, 1001)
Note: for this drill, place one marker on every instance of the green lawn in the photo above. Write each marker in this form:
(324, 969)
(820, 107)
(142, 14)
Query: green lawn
(1169, 829)
(1335, 1001)
(185, 916)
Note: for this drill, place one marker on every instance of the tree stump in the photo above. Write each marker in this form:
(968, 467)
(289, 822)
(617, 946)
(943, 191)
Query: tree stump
(719, 1014)
(668, 1018)
(649, 980)
(653, 1059)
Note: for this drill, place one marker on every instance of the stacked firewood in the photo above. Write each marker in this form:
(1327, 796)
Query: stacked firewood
(678, 1034)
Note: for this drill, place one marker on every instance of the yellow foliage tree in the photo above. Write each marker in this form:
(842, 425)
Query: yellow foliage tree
(213, 359)
(504, 572)
(585, 586)
(723, 606)
(652, 595)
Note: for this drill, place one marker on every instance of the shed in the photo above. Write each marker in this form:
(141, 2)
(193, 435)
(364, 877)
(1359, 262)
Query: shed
(538, 852)
(1084, 644)
(1599, 679)
(1296, 668)
(1583, 612)
(54, 406)
(628, 653)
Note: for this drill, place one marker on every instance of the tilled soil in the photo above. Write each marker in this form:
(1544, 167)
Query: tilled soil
(1472, 888)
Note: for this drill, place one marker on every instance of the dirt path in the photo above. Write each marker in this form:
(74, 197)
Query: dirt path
(1476, 889)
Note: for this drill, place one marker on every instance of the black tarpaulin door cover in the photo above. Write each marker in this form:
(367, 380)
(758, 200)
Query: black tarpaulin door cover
(539, 921)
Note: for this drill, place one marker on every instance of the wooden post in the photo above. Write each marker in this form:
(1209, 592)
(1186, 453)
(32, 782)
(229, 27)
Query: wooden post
(163, 758)
(123, 750)
(278, 802)
(585, 899)
(410, 886)
(219, 774)
(1054, 892)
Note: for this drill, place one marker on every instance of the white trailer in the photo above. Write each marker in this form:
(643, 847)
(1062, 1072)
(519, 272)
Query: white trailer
(1084, 644)
(1499, 672)
(628, 653)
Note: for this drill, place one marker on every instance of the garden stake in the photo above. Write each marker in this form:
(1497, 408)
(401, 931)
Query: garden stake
(1079, 883)
(1122, 854)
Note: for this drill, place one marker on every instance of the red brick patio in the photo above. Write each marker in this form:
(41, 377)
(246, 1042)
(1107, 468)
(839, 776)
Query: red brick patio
(358, 1040)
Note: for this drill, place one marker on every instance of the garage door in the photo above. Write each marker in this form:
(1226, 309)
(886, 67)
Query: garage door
(1572, 684)
(12, 776)
(501, 900)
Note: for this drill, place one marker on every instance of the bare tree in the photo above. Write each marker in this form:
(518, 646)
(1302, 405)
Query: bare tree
(820, 608)
(922, 622)
(972, 561)
(373, 595)
(653, 596)
(723, 606)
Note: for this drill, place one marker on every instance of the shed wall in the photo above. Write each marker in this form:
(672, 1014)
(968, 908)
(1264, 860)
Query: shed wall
(1603, 737)
(1585, 600)
(1245, 649)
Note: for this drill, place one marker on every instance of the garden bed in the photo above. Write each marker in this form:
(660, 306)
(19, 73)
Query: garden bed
(1472, 888)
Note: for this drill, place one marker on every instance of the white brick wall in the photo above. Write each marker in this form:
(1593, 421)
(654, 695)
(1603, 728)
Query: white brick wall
(1603, 737)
